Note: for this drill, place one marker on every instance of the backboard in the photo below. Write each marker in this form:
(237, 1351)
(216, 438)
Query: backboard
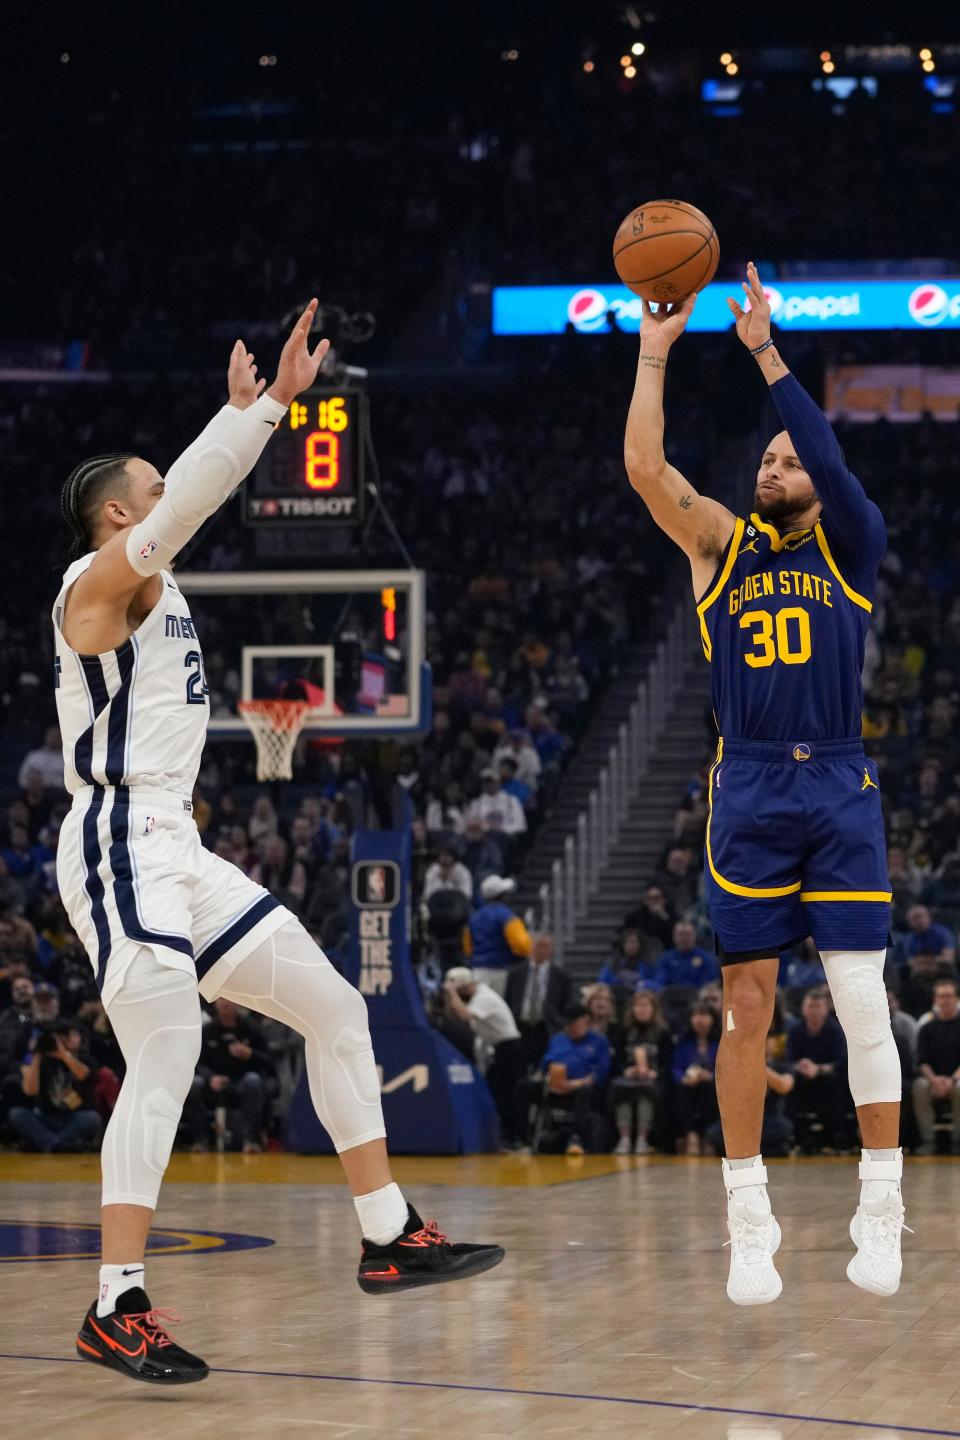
(351, 642)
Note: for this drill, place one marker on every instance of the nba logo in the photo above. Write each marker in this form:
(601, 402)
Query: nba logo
(148, 824)
(148, 549)
(376, 884)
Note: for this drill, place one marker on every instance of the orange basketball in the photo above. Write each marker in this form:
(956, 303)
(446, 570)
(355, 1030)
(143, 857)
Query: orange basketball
(665, 250)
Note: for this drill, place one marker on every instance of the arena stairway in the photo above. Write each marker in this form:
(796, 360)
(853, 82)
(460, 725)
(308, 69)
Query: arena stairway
(646, 831)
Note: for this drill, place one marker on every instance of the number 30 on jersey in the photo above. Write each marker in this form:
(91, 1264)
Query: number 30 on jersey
(784, 637)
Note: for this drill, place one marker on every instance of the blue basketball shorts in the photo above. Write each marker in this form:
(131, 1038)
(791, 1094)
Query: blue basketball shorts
(795, 847)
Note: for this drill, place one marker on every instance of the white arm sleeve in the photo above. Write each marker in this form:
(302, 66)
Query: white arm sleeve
(201, 480)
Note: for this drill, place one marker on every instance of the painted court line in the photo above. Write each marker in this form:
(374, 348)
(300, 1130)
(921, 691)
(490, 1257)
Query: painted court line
(547, 1395)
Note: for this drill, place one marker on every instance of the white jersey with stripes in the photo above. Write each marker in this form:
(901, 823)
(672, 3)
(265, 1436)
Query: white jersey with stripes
(136, 715)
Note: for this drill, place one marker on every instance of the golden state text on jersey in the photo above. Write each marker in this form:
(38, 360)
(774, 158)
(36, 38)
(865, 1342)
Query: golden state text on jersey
(784, 630)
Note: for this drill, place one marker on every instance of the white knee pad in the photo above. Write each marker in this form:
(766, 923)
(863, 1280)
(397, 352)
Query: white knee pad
(156, 1019)
(289, 978)
(860, 998)
(353, 1050)
(161, 1116)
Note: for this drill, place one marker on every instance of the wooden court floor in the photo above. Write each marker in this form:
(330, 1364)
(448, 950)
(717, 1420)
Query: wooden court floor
(607, 1318)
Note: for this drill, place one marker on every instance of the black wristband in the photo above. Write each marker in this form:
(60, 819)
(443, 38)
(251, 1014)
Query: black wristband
(760, 348)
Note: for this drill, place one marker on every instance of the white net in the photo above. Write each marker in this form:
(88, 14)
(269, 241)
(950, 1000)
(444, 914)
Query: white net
(276, 726)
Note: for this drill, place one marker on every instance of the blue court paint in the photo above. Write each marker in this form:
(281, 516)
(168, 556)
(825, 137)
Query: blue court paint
(22, 1241)
(551, 1395)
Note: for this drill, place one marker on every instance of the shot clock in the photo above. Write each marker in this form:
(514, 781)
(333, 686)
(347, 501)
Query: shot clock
(312, 470)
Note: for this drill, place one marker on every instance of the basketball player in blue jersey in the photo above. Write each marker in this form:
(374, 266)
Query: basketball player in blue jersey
(795, 842)
(165, 921)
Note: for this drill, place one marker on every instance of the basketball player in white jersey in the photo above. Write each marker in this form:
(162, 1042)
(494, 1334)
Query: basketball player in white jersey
(165, 921)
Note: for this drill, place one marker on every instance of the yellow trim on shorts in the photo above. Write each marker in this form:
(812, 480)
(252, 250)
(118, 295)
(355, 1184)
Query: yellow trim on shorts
(848, 590)
(722, 579)
(750, 892)
(881, 896)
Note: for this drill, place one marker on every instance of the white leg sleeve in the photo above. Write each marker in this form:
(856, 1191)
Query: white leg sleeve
(156, 1019)
(860, 999)
(289, 978)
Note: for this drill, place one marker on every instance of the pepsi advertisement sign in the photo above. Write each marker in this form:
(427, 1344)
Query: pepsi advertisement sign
(821, 305)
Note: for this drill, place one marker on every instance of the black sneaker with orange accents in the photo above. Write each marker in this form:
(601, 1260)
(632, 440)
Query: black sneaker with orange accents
(134, 1341)
(421, 1256)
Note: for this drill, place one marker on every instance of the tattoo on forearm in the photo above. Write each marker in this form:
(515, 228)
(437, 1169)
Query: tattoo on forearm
(685, 502)
(653, 362)
(774, 360)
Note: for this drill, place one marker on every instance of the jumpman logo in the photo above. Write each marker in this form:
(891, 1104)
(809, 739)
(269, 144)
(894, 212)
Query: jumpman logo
(867, 782)
(752, 546)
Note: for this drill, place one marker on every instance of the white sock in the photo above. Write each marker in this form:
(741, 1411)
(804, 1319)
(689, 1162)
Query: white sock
(382, 1214)
(749, 1194)
(878, 1190)
(114, 1281)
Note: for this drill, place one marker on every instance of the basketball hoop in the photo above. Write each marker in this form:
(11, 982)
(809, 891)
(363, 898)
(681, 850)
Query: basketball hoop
(275, 726)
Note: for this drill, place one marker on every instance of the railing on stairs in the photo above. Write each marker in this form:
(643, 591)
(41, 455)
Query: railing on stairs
(563, 899)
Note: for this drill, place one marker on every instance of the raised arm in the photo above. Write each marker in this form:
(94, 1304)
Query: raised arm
(153, 518)
(699, 525)
(858, 536)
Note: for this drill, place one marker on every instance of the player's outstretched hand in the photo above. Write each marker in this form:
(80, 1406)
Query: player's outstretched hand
(668, 322)
(298, 368)
(753, 325)
(243, 387)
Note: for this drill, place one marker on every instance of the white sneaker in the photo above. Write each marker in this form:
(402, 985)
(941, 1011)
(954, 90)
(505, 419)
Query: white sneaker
(875, 1230)
(754, 1237)
(623, 1146)
(642, 1146)
(754, 1240)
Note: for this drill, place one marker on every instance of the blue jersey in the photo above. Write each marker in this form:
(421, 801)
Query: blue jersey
(784, 621)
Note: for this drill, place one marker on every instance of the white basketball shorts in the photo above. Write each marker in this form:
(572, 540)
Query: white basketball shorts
(132, 873)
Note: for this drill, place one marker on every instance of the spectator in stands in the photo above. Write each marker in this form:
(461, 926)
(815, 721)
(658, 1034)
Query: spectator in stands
(12, 897)
(599, 1000)
(511, 784)
(263, 820)
(54, 1079)
(497, 809)
(693, 1068)
(446, 872)
(45, 763)
(498, 1051)
(481, 855)
(538, 992)
(817, 1057)
(16, 1027)
(631, 966)
(686, 963)
(582, 1062)
(678, 880)
(279, 872)
(518, 746)
(46, 1005)
(652, 919)
(916, 989)
(235, 1064)
(929, 938)
(937, 1086)
(634, 1092)
(495, 936)
(777, 1132)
